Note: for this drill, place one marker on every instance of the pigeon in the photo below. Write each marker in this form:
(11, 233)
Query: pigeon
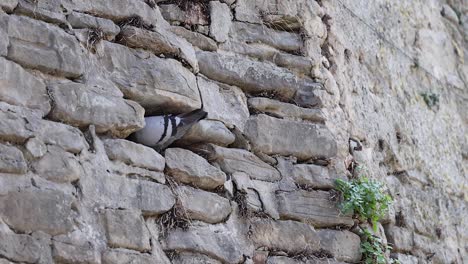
(161, 131)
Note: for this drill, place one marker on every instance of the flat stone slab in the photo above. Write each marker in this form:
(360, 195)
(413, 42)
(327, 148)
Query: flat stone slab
(232, 160)
(299, 139)
(289, 236)
(343, 245)
(122, 256)
(188, 167)
(258, 77)
(196, 39)
(80, 20)
(285, 110)
(314, 208)
(45, 47)
(208, 131)
(57, 165)
(204, 206)
(21, 88)
(159, 85)
(19, 248)
(12, 160)
(134, 154)
(79, 105)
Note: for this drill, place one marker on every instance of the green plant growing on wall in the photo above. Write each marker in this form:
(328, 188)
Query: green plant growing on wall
(431, 99)
(373, 249)
(365, 198)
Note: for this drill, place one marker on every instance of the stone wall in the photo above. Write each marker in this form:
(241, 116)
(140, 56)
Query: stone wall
(297, 93)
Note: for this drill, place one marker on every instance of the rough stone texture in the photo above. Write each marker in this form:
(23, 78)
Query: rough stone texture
(121, 256)
(20, 211)
(299, 139)
(190, 258)
(343, 245)
(208, 131)
(39, 45)
(126, 229)
(19, 87)
(157, 84)
(238, 160)
(196, 39)
(187, 167)
(12, 160)
(159, 42)
(289, 236)
(29, 9)
(58, 165)
(286, 260)
(314, 208)
(314, 176)
(20, 248)
(68, 253)
(224, 103)
(81, 20)
(36, 147)
(256, 77)
(134, 154)
(284, 110)
(220, 16)
(204, 206)
(78, 105)
(9, 5)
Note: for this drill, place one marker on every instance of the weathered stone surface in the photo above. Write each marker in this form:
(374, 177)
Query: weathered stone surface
(343, 245)
(204, 206)
(302, 140)
(117, 10)
(68, 253)
(254, 11)
(20, 248)
(13, 127)
(314, 208)
(407, 259)
(19, 87)
(295, 63)
(224, 103)
(239, 160)
(122, 256)
(8, 5)
(28, 9)
(81, 106)
(221, 20)
(160, 41)
(36, 147)
(193, 258)
(12, 160)
(187, 167)
(134, 154)
(156, 84)
(196, 39)
(251, 33)
(126, 229)
(4, 41)
(286, 260)
(69, 138)
(39, 45)
(289, 236)
(208, 131)
(400, 238)
(115, 191)
(57, 165)
(285, 110)
(37, 210)
(216, 241)
(80, 20)
(256, 77)
(314, 176)
(193, 16)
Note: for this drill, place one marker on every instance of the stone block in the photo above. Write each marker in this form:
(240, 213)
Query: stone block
(68, 253)
(238, 160)
(8, 5)
(19, 87)
(314, 208)
(45, 47)
(31, 210)
(208, 131)
(299, 139)
(19, 248)
(126, 229)
(194, 16)
(285, 110)
(196, 39)
(12, 160)
(26, 8)
(80, 20)
(204, 206)
(289, 236)
(193, 258)
(160, 42)
(224, 103)
(187, 167)
(159, 85)
(221, 20)
(36, 147)
(315, 176)
(134, 154)
(252, 33)
(122, 256)
(81, 106)
(343, 245)
(258, 77)
(401, 239)
(57, 165)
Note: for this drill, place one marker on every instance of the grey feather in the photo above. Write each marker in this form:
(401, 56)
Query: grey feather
(161, 131)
